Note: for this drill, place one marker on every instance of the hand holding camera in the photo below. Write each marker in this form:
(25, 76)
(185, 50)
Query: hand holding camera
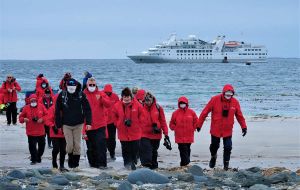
(26, 120)
(167, 142)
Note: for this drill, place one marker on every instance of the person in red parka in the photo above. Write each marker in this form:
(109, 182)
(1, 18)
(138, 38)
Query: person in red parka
(96, 132)
(9, 88)
(57, 137)
(42, 84)
(128, 116)
(34, 115)
(184, 123)
(140, 96)
(223, 107)
(64, 80)
(47, 100)
(111, 128)
(154, 125)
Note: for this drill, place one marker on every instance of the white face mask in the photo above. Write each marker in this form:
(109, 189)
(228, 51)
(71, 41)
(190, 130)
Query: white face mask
(182, 106)
(228, 97)
(33, 104)
(91, 89)
(71, 89)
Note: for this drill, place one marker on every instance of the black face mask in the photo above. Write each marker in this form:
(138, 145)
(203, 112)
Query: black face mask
(225, 113)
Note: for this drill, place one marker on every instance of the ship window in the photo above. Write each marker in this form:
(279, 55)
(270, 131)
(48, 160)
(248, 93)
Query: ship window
(256, 50)
(245, 49)
(188, 54)
(189, 51)
(184, 51)
(206, 54)
(181, 51)
(210, 54)
(196, 51)
(192, 54)
(210, 50)
(181, 54)
(192, 51)
(259, 49)
(177, 51)
(207, 50)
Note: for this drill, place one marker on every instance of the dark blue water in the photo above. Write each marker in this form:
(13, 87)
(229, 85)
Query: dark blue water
(271, 88)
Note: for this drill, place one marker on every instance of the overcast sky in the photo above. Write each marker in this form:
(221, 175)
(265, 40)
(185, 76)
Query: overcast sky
(67, 29)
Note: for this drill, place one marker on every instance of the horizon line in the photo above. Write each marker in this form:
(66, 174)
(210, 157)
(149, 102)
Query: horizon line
(108, 59)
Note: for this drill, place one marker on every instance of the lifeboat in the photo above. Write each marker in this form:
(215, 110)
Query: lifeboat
(232, 44)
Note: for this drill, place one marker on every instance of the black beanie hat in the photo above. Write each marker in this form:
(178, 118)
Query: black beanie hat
(126, 92)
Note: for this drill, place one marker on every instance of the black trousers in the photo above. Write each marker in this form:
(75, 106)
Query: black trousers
(148, 152)
(185, 153)
(111, 141)
(36, 147)
(59, 146)
(47, 130)
(97, 147)
(11, 113)
(215, 144)
(129, 151)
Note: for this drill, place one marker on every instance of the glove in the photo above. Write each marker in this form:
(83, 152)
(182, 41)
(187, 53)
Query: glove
(55, 130)
(198, 129)
(244, 131)
(167, 142)
(155, 129)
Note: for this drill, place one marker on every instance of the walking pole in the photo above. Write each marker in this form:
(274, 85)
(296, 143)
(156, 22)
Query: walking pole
(84, 153)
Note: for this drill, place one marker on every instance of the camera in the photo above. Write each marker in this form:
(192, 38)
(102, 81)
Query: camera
(35, 119)
(155, 129)
(225, 113)
(127, 122)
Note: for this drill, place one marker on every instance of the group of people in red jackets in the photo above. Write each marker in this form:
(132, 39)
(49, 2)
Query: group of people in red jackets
(97, 115)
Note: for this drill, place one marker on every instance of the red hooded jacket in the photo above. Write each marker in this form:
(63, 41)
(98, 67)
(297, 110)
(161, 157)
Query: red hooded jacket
(113, 98)
(134, 112)
(33, 128)
(183, 123)
(98, 102)
(40, 91)
(10, 96)
(154, 114)
(50, 121)
(222, 126)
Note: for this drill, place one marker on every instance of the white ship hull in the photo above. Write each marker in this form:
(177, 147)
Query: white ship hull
(155, 59)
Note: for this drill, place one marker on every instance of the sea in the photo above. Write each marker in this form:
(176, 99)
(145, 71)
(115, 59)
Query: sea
(263, 89)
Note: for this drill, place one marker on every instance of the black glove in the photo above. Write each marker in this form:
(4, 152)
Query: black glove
(155, 129)
(55, 130)
(244, 131)
(167, 142)
(198, 129)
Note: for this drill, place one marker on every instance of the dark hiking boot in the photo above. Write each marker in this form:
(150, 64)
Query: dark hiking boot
(226, 165)
(212, 162)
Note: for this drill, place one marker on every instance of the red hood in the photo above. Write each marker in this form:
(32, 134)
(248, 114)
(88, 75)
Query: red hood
(183, 99)
(32, 96)
(228, 87)
(108, 88)
(140, 95)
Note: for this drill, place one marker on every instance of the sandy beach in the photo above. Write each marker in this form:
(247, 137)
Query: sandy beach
(272, 142)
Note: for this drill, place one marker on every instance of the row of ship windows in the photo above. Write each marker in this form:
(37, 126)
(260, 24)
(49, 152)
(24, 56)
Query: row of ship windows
(193, 54)
(206, 58)
(253, 54)
(252, 49)
(192, 51)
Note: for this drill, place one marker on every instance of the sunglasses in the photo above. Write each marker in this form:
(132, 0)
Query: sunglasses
(92, 85)
(9, 77)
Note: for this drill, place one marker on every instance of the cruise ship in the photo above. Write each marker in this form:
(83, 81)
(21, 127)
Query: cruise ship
(195, 50)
